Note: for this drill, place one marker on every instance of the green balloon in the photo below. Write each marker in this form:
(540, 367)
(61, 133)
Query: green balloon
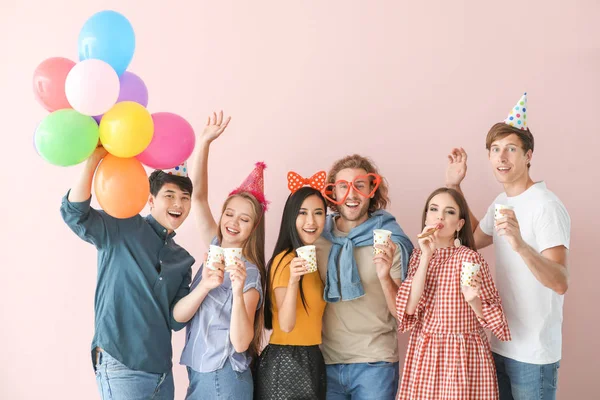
(66, 137)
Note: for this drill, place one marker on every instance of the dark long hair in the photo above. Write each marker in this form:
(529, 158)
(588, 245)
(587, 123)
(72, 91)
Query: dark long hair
(466, 233)
(287, 242)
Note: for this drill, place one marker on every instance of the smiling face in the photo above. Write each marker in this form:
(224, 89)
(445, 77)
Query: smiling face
(237, 222)
(509, 160)
(356, 206)
(311, 219)
(171, 206)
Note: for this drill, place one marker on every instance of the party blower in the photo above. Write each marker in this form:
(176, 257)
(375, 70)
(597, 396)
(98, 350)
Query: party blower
(97, 101)
(431, 231)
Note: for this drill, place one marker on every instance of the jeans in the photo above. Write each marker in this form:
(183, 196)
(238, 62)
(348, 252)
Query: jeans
(364, 381)
(224, 383)
(118, 382)
(523, 381)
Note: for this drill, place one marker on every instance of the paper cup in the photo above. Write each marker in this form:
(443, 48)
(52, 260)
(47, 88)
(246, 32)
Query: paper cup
(468, 273)
(214, 256)
(230, 253)
(498, 207)
(308, 253)
(380, 236)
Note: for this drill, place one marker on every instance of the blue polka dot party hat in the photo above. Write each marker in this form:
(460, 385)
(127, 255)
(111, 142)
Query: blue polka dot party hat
(518, 114)
(180, 170)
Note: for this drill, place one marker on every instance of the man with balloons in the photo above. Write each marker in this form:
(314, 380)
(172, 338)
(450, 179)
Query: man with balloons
(98, 115)
(142, 274)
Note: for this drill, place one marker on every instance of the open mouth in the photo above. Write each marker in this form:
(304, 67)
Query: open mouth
(503, 169)
(309, 231)
(352, 204)
(174, 214)
(232, 231)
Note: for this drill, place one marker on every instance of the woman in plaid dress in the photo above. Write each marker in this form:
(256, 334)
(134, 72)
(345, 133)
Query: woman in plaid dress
(448, 355)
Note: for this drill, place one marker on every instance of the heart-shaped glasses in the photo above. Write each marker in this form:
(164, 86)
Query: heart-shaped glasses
(364, 185)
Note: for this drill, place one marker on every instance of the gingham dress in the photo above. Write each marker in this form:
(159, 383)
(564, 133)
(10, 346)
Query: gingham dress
(449, 355)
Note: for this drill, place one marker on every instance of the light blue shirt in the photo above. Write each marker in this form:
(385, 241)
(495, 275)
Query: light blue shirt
(207, 344)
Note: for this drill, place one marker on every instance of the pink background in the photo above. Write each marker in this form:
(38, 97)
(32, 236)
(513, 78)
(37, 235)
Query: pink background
(306, 82)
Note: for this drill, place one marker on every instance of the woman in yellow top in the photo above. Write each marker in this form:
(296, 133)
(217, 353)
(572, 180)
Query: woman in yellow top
(291, 366)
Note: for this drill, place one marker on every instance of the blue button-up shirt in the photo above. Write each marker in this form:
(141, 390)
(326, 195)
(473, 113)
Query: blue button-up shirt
(207, 345)
(142, 273)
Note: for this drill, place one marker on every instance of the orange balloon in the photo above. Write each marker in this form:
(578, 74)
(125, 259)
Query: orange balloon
(121, 186)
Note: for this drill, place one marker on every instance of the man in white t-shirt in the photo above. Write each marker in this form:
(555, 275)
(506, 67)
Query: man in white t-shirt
(531, 240)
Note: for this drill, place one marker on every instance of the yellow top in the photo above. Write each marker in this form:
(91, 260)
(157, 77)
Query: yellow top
(307, 330)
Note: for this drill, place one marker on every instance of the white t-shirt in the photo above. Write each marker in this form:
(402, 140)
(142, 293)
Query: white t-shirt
(534, 312)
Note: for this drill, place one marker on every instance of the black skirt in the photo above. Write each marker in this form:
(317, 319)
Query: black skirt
(290, 372)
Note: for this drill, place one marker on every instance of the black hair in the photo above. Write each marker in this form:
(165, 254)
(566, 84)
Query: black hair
(287, 242)
(159, 178)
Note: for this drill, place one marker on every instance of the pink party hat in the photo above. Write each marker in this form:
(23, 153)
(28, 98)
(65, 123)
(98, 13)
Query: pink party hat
(255, 185)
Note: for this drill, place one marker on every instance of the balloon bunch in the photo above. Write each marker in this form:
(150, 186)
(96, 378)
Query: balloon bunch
(98, 102)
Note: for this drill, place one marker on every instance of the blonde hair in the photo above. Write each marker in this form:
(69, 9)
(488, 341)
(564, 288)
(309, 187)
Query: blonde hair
(253, 251)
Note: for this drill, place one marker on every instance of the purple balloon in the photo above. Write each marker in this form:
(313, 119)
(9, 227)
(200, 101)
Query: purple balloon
(133, 88)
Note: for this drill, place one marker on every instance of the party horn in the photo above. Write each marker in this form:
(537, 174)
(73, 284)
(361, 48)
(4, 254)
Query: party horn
(431, 231)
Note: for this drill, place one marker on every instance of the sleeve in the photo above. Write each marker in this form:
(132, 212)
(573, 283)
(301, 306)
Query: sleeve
(254, 281)
(491, 304)
(407, 322)
(184, 290)
(486, 224)
(552, 226)
(281, 272)
(91, 225)
(396, 271)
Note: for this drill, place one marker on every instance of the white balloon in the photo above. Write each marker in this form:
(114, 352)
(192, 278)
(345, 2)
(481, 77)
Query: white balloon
(92, 87)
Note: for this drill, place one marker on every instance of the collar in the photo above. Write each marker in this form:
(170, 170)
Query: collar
(537, 186)
(160, 230)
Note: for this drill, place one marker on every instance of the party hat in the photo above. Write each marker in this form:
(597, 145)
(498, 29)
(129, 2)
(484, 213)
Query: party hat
(180, 170)
(254, 184)
(518, 115)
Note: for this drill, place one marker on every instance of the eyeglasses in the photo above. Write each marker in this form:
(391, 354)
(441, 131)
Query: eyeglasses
(364, 185)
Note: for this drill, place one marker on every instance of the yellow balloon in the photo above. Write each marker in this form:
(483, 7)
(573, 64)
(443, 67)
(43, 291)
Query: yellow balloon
(126, 129)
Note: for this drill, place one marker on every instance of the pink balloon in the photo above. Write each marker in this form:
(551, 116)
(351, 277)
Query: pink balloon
(173, 142)
(92, 87)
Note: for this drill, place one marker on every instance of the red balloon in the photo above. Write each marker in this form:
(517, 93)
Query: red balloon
(49, 83)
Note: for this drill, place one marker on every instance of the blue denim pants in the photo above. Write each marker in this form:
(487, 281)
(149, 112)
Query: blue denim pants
(224, 383)
(364, 381)
(522, 381)
(118, 382)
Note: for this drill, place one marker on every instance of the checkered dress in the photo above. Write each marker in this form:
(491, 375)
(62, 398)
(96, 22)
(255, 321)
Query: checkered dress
(449, 355)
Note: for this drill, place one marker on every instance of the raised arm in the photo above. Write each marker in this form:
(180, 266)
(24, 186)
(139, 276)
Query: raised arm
(455, 174)
(82, 190)
(199, 176)
(89, 224)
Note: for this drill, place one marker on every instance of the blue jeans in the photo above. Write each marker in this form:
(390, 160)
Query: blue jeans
(522, 381)
(118, 382)
(364, 381)
(224, 383)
